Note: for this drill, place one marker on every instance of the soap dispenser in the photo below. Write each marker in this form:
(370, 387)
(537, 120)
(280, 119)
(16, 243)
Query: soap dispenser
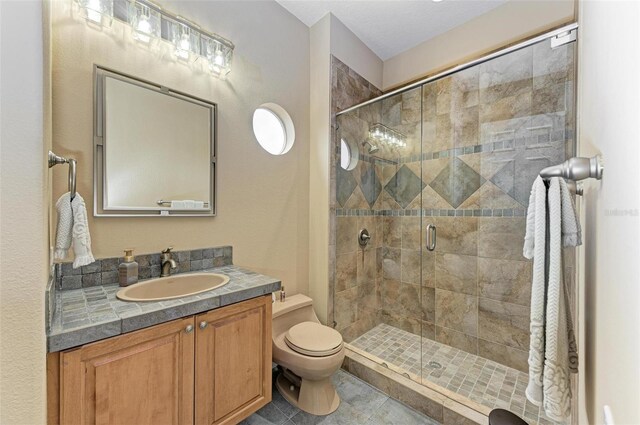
(128, 270)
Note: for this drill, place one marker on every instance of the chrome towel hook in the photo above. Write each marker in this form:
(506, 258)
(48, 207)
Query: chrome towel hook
(54, 160)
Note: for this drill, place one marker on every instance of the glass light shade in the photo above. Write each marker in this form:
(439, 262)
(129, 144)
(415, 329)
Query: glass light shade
(145, 22)
(185, 41)
(218, 56)
(99, 12)
(382, 133)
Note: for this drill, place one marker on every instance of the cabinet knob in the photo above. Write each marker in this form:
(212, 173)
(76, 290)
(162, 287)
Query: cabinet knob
(203, 324)
(188, 329)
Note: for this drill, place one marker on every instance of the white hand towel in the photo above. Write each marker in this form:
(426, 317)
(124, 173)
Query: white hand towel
(199, 204)
(81, 237)
(534, 247)
(571, 236)
(63, 229)
(73, 229)
(177, 205)
(552, 340)
(189, 204)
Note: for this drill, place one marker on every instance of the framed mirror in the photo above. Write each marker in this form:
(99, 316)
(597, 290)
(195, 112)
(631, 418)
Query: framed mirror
(154, 149)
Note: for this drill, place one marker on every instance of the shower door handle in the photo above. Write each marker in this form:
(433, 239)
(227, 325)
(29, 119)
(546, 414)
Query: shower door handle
(431, 237)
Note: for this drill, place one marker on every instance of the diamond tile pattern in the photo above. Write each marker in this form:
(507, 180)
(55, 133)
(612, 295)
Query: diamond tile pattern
(505, 178)
(456, 182)
(404, 186)
(345, 184)
(370, 184)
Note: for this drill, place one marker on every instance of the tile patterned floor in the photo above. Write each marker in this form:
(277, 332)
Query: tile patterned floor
(483, 381)
(361, 405)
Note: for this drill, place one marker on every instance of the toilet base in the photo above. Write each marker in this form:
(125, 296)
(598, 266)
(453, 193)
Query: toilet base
(315, 397)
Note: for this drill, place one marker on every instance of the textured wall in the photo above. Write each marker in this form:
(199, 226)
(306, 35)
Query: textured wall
(354, 272)
(23, 249)
(475, 142)
(328, 37)
(263, 202)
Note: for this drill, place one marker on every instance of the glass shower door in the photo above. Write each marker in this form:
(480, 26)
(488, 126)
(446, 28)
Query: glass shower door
(487, 132)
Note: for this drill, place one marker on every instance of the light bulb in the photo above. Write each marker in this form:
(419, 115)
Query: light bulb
(94, 11)
(183, 47)
(143, 29)
(219, 59)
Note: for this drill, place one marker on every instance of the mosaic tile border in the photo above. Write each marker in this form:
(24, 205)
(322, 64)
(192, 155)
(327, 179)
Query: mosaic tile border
(105, 271)
(506, 212)
(501, 146)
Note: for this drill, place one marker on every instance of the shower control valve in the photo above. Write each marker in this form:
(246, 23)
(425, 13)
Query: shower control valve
(363, 237)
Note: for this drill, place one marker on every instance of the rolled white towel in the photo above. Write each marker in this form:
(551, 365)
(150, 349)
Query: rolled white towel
(73, 229)
(179, 205)
(80, 234)
(64, 226)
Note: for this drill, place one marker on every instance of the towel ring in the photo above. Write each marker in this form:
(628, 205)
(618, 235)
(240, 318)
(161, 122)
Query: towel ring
(54, 160)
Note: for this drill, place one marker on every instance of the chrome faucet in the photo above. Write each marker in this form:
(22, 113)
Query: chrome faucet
(167, 263)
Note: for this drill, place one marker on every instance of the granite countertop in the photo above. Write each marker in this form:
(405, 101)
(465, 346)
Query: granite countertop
(90, 314)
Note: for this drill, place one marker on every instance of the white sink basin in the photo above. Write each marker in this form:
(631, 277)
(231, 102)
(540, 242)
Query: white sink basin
(166, 288)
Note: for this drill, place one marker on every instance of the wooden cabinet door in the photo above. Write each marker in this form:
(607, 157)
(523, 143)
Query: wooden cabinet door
(144, 377)
(233, 360)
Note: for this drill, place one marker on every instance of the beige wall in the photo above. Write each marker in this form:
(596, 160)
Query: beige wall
(511, 22)
(320, 83)
(23, 246)
(328, 37)
(347, 47)
(263, 203)
(609, 282)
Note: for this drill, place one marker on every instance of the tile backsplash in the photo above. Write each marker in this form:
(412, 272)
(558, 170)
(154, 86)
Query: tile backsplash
(105, 271)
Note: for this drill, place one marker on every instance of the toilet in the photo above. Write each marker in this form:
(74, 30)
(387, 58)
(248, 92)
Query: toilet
(308, 354)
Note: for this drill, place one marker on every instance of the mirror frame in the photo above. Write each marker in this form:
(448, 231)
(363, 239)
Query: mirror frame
(99, 210)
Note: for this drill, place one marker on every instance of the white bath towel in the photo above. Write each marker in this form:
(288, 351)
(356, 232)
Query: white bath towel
(73, 229)
(551, 223)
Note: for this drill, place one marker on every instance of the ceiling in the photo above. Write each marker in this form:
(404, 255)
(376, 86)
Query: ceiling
(389, 27)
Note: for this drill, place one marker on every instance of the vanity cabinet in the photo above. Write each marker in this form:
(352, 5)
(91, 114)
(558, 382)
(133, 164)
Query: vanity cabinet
(213, 368)
(233, 362)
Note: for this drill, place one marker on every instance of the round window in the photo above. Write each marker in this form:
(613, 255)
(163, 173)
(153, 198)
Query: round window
(273, 128)
(348, 156)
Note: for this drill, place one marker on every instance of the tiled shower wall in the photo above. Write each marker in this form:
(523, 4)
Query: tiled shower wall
(351, 282)
(486, 133)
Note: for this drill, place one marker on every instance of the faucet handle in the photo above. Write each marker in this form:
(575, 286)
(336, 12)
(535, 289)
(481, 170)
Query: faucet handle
(168, 250)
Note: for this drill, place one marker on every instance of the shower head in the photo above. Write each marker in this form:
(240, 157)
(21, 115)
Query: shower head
(372, 148)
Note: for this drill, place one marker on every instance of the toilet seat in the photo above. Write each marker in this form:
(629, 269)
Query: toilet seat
(313, 339)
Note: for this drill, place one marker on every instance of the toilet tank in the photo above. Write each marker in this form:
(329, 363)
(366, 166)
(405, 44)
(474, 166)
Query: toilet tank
(295, 309)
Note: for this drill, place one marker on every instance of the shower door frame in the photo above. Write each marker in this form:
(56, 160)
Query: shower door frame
(485, 58)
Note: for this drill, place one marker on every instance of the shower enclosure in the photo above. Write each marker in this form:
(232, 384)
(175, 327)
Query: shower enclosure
(439, 175)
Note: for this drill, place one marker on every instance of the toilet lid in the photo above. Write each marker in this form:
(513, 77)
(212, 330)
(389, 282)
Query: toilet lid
(313, 339)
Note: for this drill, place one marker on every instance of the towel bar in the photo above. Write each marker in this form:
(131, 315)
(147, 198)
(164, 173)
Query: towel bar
(54, 160)
(575, 169)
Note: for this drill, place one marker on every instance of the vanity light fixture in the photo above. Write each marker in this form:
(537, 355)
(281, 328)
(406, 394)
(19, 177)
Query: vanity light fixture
(145, 22)
(218, 53)
(384, 134)
(150, 22)
(97, 12)
(185, 39)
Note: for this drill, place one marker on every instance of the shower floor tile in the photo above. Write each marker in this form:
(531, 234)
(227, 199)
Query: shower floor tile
(483, 381)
